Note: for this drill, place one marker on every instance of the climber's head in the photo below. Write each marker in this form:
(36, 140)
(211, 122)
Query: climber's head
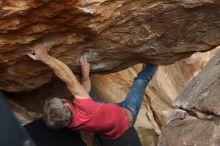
(56, 114)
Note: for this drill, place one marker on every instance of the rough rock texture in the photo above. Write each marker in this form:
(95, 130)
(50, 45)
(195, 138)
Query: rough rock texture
(191, 132)
(170, 81)
(202, 93)
(115, 34)
(200, 99)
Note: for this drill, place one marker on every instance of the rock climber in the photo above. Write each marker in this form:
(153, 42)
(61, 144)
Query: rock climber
(84, 114)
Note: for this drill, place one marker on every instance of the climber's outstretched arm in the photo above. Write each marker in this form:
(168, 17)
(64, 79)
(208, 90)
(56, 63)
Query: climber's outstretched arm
(61, 70)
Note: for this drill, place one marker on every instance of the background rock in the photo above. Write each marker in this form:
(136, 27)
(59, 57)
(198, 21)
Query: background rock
(202, 93)
(190, 132)
(114, 34)
(200, 99)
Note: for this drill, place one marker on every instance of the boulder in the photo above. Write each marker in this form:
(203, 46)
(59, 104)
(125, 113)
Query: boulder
(202, 94)
(200, 101)
(113, 34)
(190, 131)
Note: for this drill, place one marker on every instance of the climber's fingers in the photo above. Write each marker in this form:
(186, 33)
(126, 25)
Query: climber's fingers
(85, 59)
(39, 52)
(32, 50)
(34, 57)
(81, 60)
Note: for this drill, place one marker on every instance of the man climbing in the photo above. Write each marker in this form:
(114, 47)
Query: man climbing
(84, 114)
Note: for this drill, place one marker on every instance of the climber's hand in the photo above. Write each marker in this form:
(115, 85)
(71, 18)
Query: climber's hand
(85, 66)
(39, 52)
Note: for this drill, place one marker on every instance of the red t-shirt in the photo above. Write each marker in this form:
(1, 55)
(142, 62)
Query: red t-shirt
(107, 119)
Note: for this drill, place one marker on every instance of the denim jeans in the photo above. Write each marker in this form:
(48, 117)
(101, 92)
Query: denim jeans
(136, 94)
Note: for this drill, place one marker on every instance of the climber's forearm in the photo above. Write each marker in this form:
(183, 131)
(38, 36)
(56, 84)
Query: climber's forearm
(66, 75)
(86, 82)
(61, 70)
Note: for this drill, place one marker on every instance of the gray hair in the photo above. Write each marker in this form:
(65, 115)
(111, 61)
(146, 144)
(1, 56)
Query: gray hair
(55, 114)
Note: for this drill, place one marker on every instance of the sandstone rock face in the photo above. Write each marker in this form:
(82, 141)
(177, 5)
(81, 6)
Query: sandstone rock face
(202, 93)
(114, 34)
(191, 132)
(170, 81)
(200, 99)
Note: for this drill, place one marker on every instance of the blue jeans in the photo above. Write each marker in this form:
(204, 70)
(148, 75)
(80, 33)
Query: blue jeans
(136, 95)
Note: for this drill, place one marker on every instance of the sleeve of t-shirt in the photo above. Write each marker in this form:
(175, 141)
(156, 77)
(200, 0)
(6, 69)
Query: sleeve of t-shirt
(86, 106)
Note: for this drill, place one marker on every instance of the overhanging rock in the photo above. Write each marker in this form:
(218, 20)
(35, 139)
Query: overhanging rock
(114, 34)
